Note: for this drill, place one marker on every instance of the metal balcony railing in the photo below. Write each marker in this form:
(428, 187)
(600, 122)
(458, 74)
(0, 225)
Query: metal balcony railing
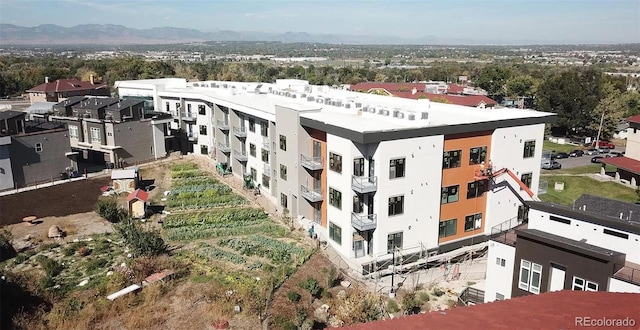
(627, 274)
(223, 125)
(505, 232)
(364, 222)
(471, 296)
(224, 147)
(311, 163)
(240, 132)
(312, 195)
(189, 116)
(241, 156)
(364, 184)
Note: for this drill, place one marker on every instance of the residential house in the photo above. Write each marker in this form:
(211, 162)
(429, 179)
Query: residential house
(628, 166)
(61, 89)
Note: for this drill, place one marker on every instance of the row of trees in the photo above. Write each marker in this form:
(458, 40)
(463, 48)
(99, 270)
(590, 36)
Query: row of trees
(578, 95)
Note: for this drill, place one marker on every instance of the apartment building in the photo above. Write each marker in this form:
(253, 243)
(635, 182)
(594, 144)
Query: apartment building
(373, 174)
(593, 246)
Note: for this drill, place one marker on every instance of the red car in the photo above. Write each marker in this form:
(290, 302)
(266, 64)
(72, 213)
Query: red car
(606, 144)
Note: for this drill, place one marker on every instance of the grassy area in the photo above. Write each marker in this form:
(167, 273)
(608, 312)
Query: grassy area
(574, 186)
(548, 145)
(587, 169)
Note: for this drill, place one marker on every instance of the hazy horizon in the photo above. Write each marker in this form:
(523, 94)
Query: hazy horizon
(507, 21)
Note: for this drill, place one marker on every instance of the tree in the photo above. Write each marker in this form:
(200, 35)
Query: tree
(613, 110)
(493, 78)
(521, 86)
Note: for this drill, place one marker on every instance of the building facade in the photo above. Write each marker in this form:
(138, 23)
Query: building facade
(61, 89)
(374, 175)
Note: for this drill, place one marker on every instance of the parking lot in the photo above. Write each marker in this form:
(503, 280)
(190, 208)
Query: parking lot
(572, 162)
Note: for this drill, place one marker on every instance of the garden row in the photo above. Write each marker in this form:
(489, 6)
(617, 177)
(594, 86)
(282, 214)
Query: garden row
(192, 189)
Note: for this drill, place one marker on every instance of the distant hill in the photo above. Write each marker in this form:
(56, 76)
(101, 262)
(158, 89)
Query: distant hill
(50, 34)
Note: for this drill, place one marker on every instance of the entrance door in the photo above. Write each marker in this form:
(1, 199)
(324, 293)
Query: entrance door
(556, 278)
(317, 149)
(316, 180)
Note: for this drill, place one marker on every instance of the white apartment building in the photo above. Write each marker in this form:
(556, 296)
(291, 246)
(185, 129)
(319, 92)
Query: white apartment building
(374, 174)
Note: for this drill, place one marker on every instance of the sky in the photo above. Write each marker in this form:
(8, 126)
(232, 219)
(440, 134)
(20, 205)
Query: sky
(509, 21)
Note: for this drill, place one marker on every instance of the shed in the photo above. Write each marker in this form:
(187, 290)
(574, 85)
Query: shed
(125, 180)
(137, 202)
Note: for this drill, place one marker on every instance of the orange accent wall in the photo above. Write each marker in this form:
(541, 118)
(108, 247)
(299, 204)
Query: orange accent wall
(321, 136)
(462, 176)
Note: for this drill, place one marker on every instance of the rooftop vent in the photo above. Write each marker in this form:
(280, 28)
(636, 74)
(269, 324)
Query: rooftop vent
(348, 106)
(310, 98)
(412, 117)
(358, 104)
(425, 115)
(196, 85)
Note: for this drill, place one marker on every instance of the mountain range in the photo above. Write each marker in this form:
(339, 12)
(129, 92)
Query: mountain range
(110, 34)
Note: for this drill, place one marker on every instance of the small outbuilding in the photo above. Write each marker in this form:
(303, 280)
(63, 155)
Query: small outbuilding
(55, 232)
(125, 180)
(137, 202)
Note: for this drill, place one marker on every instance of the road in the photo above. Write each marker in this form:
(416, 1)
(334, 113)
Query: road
(572, 162)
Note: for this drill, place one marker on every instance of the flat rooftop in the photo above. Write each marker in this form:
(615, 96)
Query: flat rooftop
(355, 111)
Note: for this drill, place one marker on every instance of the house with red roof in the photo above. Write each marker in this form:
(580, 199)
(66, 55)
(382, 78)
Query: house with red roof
(628, 166)
(61, 89)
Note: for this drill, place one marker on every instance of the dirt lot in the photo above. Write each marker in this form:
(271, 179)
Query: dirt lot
(61, 200)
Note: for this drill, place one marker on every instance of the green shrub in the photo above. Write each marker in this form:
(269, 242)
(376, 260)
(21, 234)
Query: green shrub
(410, 304)
(20, 258)
(438, 292)
(96, 264)
(293, 296)
(141, 241)
(301, 315)
(331, 277)
(423, 296)
(48, 246)
(51, 267)
(392, 306)
(108, 209)
(311, 285)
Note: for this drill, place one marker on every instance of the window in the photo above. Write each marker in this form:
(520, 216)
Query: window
(204, 150)
(501, 262)
(254, 174)
(38, 147)
(283, 172)
(396, 168)
(448, 228)
(201, 109)
(335, 198)
(473, 222)
(358, 167)
(189, 108)
(530, 276)
(499, 296)
(394, 241)
(283, 142)
(335, 162)
(558, 219)
(615, 233)
(95, 135)
(451, 159)
(252, 125)
(265, 155)
(177, 105)
(203, 129)
(265, 180)
(167, 107)
(264, 127)
(477, 155)
(526, 179)
(529, 149)
(73, 131)
(450, 194)
(580, 284)
(358, 205)
(283, 200)
(396, 205)
(523, 213)
(476, 189)
(335, 233)
(252, 149)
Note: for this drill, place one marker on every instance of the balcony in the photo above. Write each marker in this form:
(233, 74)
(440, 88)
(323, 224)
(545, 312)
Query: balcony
(223, 125)
(267, 170)
(311, 163)
(241, 156)
(364, 222)
(189, 116)
(505, 232)
(629, 272)
(312, 195)
(240, 132)
(224, 147)
(363, 185)
(192, 136)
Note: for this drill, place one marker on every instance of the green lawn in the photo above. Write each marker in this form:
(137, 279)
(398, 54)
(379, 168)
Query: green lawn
(548, 145)
(574, 186)
(587, 169)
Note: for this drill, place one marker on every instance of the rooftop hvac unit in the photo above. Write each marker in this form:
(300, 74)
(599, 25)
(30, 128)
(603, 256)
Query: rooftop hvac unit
(338, 103)
(365, 108)
(310, 99)
(348, 105)
(425, 115)
(320, 101)
(87, 115)
(196, 85)
(294, 96)
(303, 95)
(327, 100)
(412, 117)
(225, 86)
(205, 85)
(380, 111)
(372, 110)
(396, 114)
(385, 112)
(358, 104)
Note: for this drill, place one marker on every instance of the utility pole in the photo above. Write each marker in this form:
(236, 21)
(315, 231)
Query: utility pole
(600, 129)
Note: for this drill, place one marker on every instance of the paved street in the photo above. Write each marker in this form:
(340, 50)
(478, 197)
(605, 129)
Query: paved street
(572, 162)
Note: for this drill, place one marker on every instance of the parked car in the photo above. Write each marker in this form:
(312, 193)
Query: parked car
(561, 155)
(576, 153)
(604, 150)
(596, 159)
(592, 151)
(618, 154)
(551, 165)
(606, 144)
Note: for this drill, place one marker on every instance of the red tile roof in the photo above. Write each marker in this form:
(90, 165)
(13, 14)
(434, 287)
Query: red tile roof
(455, 89)
(553, 310)
(65, 85)
(634, 119)
(138, 194)
(625, 163)
(465, 100)
(390, 87)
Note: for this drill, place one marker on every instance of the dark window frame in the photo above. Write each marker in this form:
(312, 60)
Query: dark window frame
(335, 162)
(445, 231)
(452, 159)
(335, 198)
(397, 168)
(283, 142)
(447, 191)
(476, 189)
(283, 172)
(529, 149)
(253, 151)
(480, 155)
(395, 205)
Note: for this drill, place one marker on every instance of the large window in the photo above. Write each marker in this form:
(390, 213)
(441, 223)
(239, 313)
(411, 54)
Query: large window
(473, 222)
(530, 276)
(73, 131)
(396, 205)
(201, 109)
(451, 159)
(254, 174)
(335, 233)
(252, 124)
(266, 180)
(167, 107)
(265, 155)
(283, 200)
(335, 198)
(396, 168)
(204, 149)
(580, 284)
(526, 179)
(477, 155)
(529, 149)
(335, 162)
(450, 194)
(252, 149)
(264, 129)
(203, 129)
(476, 189)
(448, 228)
(38, 147)
(283, 172)
(283, 142)
(358, 167)
(394, 241)
(95, 135)
(358, 205)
